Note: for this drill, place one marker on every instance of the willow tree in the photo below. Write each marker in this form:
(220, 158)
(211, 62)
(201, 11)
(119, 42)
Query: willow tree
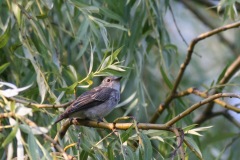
(177, 67)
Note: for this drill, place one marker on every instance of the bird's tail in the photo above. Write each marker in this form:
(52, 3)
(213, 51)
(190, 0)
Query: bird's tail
(59, 119)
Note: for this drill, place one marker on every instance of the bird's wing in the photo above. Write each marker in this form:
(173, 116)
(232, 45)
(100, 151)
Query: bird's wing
(91, 98)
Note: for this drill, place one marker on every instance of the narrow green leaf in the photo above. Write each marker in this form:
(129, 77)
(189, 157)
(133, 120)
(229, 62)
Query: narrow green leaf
(11, 136)
(193, 144)
(146, 146)
(222, 74)
(220, 155)
(68, 89)
(43, 15)
(84, 155)
(4, 38)
(189, 127)
(165, 77)
(15, 46)
(3, 67)
(110, 149)
(125, 135)
(70, 20)
(205, 86)
(170, 46)
(114, 55)
(32, 146)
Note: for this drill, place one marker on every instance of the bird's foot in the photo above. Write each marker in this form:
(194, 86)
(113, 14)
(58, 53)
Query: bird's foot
(87, 121)
(100, 120)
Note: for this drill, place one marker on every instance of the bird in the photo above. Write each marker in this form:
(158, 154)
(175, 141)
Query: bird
(95, 103)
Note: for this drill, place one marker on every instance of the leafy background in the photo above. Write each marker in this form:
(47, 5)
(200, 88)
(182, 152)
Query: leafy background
(55, 46)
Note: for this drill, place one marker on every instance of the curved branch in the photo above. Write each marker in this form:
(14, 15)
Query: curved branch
(199, 104)
(204, 95)
(184, 65)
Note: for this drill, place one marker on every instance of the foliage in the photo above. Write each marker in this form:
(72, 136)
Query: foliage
(51, 51)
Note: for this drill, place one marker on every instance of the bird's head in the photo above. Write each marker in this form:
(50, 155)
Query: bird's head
(112, 82)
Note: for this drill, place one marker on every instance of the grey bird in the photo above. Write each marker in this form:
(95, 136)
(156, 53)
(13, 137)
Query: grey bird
(95, 103)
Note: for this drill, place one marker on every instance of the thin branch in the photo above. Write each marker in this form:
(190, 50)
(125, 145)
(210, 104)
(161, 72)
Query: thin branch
(174, 20)
(199, 104)
(229, 73)
(205, 21)
(31, 123)
(204, 95)
(40, 105)
(180, 138)
(184, 65)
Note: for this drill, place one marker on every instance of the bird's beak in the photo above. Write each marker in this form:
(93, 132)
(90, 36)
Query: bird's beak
(118, 79)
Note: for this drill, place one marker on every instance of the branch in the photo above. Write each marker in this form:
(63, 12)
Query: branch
(184, 65)
(204, 95)
(31, 123)
(40, 105)
(199, 104)
(224, 113)
(180, 138)
(205, 21)
(121, 126)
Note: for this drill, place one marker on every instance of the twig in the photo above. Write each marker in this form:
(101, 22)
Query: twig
(184, 65)
(204, 95)
(180, 139)
(229, 73)
(205, 21)
(199, 104)
(40, 105)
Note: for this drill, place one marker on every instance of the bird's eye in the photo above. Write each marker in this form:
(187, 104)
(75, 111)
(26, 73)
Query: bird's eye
(108, 80)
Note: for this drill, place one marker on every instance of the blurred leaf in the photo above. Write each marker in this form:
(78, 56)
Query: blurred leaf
(68, 89)
(220, 155)
(70, 20)
(222, 74)
(114, 67)
(33, 130)
(114, 55)
(205, 86)
(125, 135)
(11, 136)
(146, 147)
(165, 77)
(189, 127)
(126, 101)
(84, 155)
(41, 85)
(193, 144)
(3, 67)
(32, 145)
(4, 38)
(110, 149)
(43, 15)
(15, 46)
(221, 137)
(130, 108)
